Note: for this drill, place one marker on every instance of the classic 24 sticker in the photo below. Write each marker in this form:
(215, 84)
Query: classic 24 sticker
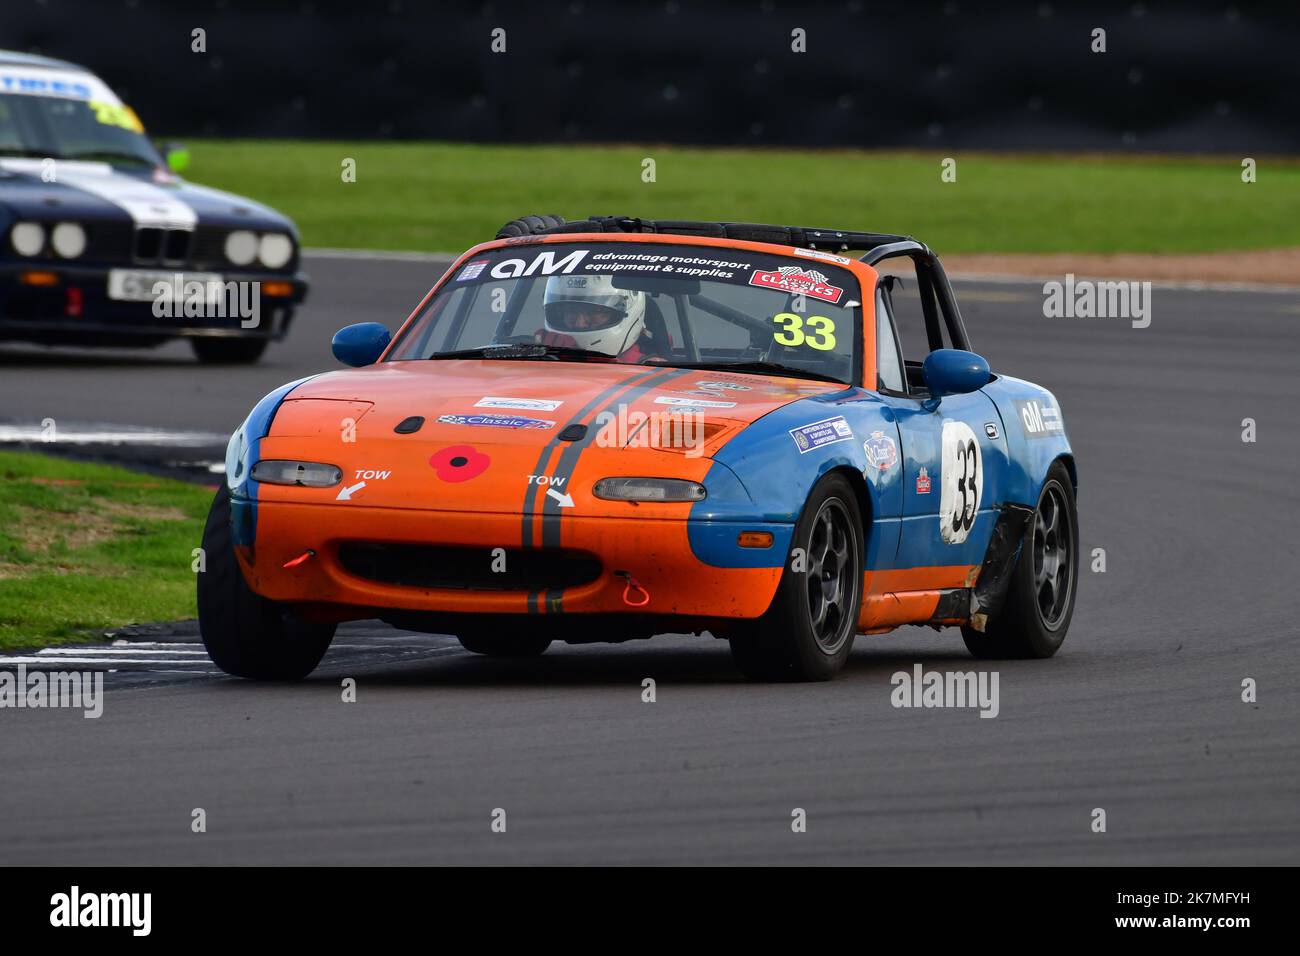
(962, 479)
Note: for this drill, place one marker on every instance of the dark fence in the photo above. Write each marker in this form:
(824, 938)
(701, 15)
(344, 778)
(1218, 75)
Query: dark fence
(1175, 76)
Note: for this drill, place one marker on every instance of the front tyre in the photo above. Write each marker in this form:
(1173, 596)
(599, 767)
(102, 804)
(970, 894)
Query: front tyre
(245, 634)
(1040, 599)
(808, 631)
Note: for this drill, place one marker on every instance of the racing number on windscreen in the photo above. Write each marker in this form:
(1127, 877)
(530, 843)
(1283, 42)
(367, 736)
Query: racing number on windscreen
(793, 331)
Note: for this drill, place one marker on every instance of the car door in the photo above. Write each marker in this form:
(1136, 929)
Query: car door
(954, 451)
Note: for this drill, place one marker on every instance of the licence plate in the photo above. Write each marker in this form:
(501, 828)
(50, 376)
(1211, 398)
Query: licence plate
(137, 285)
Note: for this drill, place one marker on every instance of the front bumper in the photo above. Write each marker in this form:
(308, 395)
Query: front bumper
(76, 308)
(657, 554)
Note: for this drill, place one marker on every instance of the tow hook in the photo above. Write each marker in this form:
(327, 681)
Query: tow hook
(632, 589)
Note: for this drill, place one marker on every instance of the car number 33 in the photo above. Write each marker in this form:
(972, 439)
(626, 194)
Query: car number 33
(963, 482)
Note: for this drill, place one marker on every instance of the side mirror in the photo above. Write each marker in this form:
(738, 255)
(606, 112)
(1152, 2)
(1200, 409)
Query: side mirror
(954, 372)
(361, 344)
(176, 156)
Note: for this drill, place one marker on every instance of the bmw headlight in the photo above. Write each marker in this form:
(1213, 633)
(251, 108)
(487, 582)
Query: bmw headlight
(68, 239)
(241, 247)
(311, 474)
(275, 250)
(28, 238)
(648, 489)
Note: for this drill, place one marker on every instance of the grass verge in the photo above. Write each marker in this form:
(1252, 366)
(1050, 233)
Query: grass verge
(88, 547)
(444, 197)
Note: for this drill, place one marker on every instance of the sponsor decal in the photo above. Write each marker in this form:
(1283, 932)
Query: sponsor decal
(495, 421)
(881, 451)
(825, 432)
(823, 256)
(680, 266)
(923, 482)
(797, 281)
(73, 86)
(459, 463)
(1040, 418)
(962, 481)
(528, 404)
(691, 402)
(543, 263)
(472, 270)
(724, 386)
(991, 429)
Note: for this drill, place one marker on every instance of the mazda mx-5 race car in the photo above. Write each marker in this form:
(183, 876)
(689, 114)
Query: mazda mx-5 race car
(101, 243)
(607, 429)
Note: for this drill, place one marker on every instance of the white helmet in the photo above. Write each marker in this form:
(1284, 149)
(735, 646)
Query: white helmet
(594, 314)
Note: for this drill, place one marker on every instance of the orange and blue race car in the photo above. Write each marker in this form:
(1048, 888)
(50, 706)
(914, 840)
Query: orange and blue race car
(612, 428)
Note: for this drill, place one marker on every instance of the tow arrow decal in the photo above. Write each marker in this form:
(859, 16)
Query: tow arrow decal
(345, 494)
(566, 501)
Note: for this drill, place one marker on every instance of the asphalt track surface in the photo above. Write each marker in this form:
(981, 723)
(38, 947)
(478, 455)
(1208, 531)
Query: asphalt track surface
(1139, 714)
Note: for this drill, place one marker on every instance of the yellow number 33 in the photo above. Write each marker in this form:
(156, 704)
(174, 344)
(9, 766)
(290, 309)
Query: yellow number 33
(821, 335)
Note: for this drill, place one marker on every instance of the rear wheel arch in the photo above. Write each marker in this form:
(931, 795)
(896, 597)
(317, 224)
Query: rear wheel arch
(1067, 459)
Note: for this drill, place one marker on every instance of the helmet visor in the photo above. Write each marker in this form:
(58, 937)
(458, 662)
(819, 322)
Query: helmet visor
(574, 315)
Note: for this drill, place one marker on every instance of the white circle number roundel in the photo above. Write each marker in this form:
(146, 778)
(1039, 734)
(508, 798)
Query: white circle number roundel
(963, 482)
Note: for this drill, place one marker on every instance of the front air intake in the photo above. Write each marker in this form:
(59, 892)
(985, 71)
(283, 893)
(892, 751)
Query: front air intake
(468, 569)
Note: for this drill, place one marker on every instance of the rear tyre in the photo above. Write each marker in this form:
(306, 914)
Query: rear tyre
(1040, 599)
(528, 226)
(808, 631)
(228, 351)
(245, 634)
(491, 644)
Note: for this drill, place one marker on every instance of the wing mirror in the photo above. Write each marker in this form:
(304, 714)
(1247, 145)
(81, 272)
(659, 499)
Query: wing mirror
(176, 156)
(953, 372)
(361, 344)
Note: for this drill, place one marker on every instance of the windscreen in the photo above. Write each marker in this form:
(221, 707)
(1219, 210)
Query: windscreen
(647, 303)
(71, 116)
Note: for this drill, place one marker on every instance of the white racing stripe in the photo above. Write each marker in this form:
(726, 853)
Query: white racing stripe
(49, 663)
(111, 651)
(146, 204)
(122, 643)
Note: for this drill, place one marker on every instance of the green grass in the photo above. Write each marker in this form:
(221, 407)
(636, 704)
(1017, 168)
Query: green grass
(88, 547)
(445, 197)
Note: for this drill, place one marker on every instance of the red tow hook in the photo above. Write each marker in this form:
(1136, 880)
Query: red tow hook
(633, 585)
(305, 556)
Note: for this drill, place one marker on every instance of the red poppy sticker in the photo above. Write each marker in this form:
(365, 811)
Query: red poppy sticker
(459, 463)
